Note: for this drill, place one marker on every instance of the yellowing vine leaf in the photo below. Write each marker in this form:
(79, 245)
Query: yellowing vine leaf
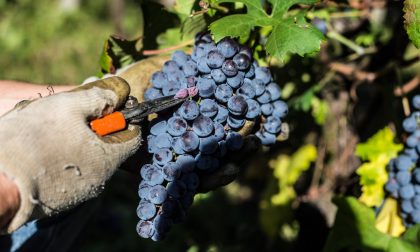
(287, 170)
(377, 151)
(289, 33)
(388, 221)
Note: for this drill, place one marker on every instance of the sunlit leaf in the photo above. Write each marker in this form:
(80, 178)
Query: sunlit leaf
(377, 152)
(289, 33)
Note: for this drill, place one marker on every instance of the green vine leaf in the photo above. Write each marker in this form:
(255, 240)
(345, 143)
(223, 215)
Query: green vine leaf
(291, 33)
(118, 52)
(354, 230)
(412, 20)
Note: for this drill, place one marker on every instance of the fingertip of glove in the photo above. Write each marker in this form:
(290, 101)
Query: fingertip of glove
(116, 84)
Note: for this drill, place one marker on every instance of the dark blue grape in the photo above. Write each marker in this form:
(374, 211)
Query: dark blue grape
(229, 68)
(416, 102)
(228, 47)
(403, 163)
(191, 180)
(146, 210)
(237, 105)
(403, 177)
(159, 79)
(259, 86)
(202, 65)
(246, 90)
(180, 57)
(407, 206)
(158, 127)
(223, 93)
(406, 191)
(145, 229)
(186, 163)
(153, 176)
(206, 162)
(190, 68)
(152, 93)
(235, 122)
(157, 194)
(222, 115)
(189, 110)
(264, 98)
(263, 74)
(234, 141)
(218, 75)
(171, 88)
(250, 73)
(219, 131)
(412, 141)
(177, 146)
(416, 202)
(410, 124)
(266, 137)
(392, 186)
(236, 81)
(254, 109)
(222, 148)
(170, 67)
(215, 59)
(415, 216)
(206, 87)
(162, 156)
(272, 125)
(416, 175)
(246, 51)
(203, 126)
(208, 145)
(208, 107)
(177, 126)
(176, 189)
(163, 140)
(162, 224)
(412, 153)
(190, 141)
(274, 90)
(267, 109)
(280, 109)
(144, 189)
(242, 61)
(171, 171)
(151, 144)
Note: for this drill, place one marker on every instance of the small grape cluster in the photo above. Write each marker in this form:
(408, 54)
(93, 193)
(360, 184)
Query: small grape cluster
(404, 171)
(191, 139)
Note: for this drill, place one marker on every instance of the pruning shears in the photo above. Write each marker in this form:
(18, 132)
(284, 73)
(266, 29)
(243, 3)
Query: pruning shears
(133, 112)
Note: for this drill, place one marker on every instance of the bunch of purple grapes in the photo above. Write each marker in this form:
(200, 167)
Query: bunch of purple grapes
(404, 171)
(191, 139)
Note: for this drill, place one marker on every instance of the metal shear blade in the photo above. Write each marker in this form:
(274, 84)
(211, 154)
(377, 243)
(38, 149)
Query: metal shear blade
(153, 106)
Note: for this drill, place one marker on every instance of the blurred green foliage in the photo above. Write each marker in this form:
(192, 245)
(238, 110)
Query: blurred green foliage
(42, 42)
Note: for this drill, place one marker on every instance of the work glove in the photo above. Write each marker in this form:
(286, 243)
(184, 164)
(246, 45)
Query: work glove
(52, 155)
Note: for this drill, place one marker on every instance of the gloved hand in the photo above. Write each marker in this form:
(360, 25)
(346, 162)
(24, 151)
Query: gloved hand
(49, 151)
